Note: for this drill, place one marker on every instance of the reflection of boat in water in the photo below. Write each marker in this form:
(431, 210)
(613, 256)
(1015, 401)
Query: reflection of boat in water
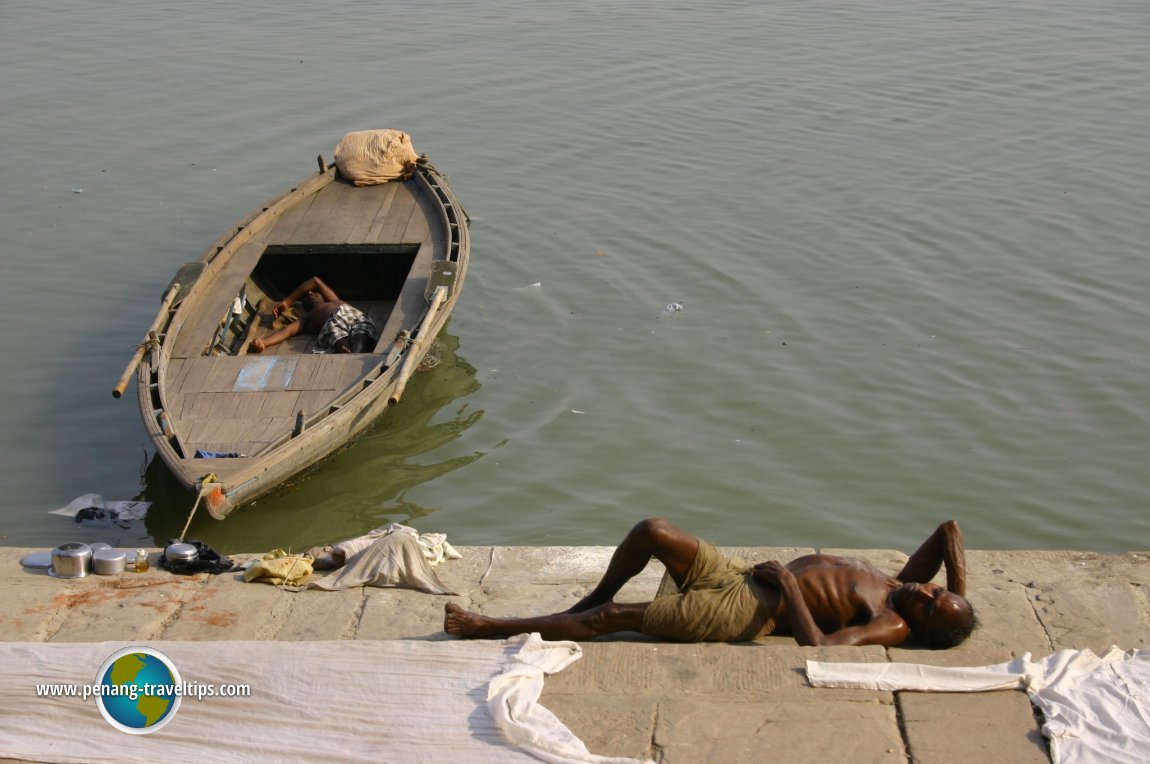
(349, 492)
(232, 426)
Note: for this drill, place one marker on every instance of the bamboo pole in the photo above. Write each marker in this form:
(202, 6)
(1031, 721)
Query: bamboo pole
(118, 390)
(415, 352)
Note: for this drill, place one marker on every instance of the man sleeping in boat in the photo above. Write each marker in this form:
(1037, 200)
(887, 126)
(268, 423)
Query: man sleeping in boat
(340, 327)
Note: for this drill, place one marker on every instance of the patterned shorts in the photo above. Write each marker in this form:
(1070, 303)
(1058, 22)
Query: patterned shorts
(345, 324)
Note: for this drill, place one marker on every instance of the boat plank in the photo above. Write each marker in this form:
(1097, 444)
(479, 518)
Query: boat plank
(268, 374)
(358, 233)
(174, 403)
(279, 404)
(357, 204)
(221, 377)
(306, 369)
(244, 436)
(198, 431)
(403, 206)
(197, 370)
(286, 224)
(328, 373)
(223, 469)
(194, 406)
(273, 429)
(196, 335)
(225, 405)
(174, 373)
(417, 228)
(316, 226)
(250, 373)
(351, 373)
(412, 299)
(205, 432)
(248, 405)
(313, 402)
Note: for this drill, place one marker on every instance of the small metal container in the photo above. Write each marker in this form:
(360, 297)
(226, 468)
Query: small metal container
(72, 560)
(108, 561)
(180, 552)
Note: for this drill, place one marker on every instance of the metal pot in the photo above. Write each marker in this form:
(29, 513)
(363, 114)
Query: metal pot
(72, 560)
(109, 562)
(180, 552)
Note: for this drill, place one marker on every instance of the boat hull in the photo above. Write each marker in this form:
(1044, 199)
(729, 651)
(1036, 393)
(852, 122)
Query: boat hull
(232, 424)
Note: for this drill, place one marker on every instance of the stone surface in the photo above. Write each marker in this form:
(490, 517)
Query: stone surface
(635, 696)
(981, 726)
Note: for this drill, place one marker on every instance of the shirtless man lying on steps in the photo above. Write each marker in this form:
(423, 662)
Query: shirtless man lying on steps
(819, 599)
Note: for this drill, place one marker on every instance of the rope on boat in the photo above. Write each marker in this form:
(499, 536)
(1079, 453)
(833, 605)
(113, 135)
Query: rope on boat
(150, 343)
(206, 483)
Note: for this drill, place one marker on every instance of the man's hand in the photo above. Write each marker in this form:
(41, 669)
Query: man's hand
(280, 307)
(771, 572)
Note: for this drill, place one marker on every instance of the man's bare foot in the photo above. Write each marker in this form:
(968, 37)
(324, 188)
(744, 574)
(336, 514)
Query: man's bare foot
(459, 622)
(256, 346)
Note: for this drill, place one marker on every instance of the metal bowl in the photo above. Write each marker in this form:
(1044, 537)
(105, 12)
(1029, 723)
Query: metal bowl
(109, 562)
(72, 560)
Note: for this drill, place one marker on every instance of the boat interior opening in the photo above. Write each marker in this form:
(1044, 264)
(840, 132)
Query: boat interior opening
(368, 276)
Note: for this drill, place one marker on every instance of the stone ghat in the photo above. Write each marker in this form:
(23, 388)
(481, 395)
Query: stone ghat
(633, 696)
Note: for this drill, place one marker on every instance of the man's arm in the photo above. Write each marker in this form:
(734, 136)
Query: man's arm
(887, 628)
(314, 284)
(944, 547)
(275, 338)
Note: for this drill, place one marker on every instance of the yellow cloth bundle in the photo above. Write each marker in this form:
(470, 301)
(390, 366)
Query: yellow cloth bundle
(279, 568)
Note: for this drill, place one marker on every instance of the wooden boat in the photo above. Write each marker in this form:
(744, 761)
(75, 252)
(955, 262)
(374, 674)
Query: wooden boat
(232, 424)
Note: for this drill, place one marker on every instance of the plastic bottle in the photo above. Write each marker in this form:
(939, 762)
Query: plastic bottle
(141, 561)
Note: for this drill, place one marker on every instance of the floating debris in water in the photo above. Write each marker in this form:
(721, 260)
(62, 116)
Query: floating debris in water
(432, 358)
(77, 190)
(673, 308)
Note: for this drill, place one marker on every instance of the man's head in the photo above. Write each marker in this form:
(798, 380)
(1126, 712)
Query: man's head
(938, 618)
(311, 299)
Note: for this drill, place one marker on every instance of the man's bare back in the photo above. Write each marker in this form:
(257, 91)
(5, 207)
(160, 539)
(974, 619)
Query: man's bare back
(320, 305)
(819, 599)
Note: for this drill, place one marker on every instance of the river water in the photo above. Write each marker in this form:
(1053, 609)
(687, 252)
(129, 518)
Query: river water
(908, 239)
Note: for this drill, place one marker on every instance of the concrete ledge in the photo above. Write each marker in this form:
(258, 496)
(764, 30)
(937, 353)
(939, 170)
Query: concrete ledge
(634, 696)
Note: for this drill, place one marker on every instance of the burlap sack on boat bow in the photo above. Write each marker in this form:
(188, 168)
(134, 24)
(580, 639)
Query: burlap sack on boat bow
(370, 157)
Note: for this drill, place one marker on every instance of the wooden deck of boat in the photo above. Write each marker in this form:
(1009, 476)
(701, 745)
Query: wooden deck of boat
(244, 403)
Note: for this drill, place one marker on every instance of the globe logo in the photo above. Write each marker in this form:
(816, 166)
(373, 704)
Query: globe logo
(138, 690)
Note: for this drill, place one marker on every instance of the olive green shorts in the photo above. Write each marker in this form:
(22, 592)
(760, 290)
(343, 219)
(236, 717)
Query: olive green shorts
(718, 602)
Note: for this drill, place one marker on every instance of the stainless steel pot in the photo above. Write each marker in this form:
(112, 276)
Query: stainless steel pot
(72, 560)
(180, 552)
(109, 562)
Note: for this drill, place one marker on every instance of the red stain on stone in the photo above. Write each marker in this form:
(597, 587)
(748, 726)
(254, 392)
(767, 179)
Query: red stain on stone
(223, 620)
(98, 595)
